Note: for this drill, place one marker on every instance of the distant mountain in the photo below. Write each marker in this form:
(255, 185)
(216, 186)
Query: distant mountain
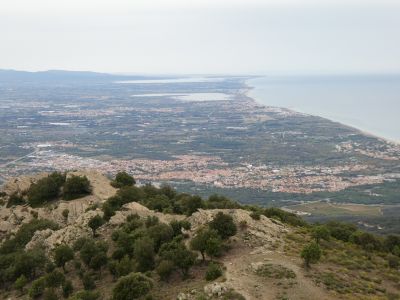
(62, 76)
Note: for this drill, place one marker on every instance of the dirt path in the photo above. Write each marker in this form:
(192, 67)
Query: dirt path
(240, 275)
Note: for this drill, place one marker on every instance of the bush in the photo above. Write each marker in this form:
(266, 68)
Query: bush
(284, 216)
(393, 261)
(67, 288)
(15, 199)
(76, 187)
(88, 282)
(50, 294)
(65, 214)
(55, 279)
(341, 231)
(255, 215)
(91, 251)
(95, 223)
(177, 226)
(45, 189)
(132, 286)
(213, 272)
(143, 251)
(165, 269)
(311, 253)
(123, 179)
(25, 234)
(224, 225)
(20, 283)
(85, 295)
(160, 233)
(366, 240)
(62, 255)
(320, 232)
(177, 252)
(37, 288)
(207, 241)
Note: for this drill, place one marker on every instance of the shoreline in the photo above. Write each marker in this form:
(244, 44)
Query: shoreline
(249, 88)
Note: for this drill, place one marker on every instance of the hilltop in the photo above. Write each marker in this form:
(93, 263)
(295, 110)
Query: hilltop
(80, 235)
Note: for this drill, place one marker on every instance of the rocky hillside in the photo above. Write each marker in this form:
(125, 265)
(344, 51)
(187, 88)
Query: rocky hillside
(81, 236)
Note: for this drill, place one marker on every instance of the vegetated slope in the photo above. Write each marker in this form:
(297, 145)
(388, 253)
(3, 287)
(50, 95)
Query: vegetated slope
(119, 241)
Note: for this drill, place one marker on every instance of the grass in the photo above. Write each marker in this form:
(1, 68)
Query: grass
(275, 271)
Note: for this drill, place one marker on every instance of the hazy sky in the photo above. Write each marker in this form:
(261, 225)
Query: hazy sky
(201, 36)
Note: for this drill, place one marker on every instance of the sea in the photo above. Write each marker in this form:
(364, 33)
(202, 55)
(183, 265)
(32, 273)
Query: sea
(370, 103)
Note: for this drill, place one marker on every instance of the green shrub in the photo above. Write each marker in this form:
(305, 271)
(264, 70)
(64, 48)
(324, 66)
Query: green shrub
(320, 232)
(311, 253)
(65, 214)
(393, 261)
(20, 283)
(62, 255)
(15, 199)
(224, 225)
(50, 294)
(95, 223)
(165, 269)
(37, 288)
(143, 251)
(213, 272)
(25, 234)
(85, 295)
(177, 252)
(123, 179)
(88, 282)
(76, 187)
(67, 288)
(255, 215)
(132, 286)
(55, 279)
(207, 241)
(45, 189)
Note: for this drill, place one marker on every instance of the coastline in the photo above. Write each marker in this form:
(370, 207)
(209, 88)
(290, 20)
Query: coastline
(249, 88)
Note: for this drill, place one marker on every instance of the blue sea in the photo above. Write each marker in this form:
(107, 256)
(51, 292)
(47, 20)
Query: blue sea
(369, 103)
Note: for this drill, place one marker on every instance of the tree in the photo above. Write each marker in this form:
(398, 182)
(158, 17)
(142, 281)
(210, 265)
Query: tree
(320, 232)
(143, 251)
(177, 252)
(160, 234)
(95, 223)
(177, 226)
(311, 253)
(76, 187)
(62, 255)
(65, 214)
(207, 241)
(123, 179)
(132, 286)
(224, 225)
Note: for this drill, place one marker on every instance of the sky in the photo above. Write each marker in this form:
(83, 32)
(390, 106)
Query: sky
(202, 36)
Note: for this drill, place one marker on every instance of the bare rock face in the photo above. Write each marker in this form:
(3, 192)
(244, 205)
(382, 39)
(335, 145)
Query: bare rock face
(216, 289)
(143, 212)
(50, 239)
(257, 232)
(11, 218)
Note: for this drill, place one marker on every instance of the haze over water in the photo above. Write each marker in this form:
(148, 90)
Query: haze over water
(369, 103)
